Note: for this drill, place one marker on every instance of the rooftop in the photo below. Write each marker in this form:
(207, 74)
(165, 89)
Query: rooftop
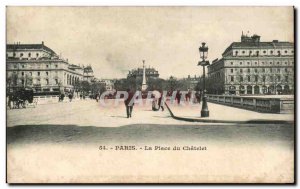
(20, 46)
(254, 42)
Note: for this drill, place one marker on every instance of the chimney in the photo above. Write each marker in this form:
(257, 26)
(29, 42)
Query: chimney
(42, 42)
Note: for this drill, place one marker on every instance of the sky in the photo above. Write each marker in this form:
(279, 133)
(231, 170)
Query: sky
(114, 40)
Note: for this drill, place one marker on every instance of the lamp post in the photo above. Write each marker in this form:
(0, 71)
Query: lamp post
(203, 50)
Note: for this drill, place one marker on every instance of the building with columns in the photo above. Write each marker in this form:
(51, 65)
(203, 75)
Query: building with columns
(253, 67)
(40, 68)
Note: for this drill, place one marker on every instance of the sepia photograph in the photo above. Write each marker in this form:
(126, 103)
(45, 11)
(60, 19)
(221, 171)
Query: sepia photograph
(150, 95)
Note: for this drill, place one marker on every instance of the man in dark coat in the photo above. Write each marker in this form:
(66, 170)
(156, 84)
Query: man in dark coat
(129, 103)
(161, 101)
(178, 96)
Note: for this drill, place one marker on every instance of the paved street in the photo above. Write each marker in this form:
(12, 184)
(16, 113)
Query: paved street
(63, 140)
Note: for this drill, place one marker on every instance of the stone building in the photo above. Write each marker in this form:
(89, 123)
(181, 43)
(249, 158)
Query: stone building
(88, 74)
(191, 82)
(39, 67)
(138, 73)
(253, 67)
(108, 83)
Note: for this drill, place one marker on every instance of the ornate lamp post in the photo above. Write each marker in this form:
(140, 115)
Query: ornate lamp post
(203, 55)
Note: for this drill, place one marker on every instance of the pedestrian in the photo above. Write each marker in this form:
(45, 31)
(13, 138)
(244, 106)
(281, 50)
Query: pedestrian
(178, 96)
(70, 97)
(161, 101)
(129, 102)
(97, 97)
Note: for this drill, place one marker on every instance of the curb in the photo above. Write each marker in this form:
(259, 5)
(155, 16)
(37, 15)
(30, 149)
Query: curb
(259, 121)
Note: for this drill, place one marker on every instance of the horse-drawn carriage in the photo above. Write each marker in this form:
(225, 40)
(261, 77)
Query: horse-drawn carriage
(21, 98)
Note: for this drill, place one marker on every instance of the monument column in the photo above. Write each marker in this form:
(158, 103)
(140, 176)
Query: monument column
(144, 85)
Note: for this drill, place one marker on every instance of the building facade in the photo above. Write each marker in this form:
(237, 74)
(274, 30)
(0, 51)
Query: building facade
(108, 83)
(138, 73)
(253, 67)
(88, 74)
(40, 68)
(191, 82)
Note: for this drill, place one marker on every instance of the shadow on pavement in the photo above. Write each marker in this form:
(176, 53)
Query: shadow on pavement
(150, 133)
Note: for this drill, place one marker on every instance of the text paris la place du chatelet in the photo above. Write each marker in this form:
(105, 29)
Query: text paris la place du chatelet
(155, 148)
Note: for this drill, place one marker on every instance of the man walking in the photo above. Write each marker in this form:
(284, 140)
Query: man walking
(161, 101)
(129, 103)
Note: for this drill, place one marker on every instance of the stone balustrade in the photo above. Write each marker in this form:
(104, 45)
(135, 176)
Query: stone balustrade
(261, 104)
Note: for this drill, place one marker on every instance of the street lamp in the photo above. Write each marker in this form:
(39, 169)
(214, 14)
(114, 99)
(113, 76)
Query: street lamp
(203, 55)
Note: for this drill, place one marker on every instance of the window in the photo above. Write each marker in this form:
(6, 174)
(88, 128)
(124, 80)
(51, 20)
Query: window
(47, 81)
(263, 70)
(56, 66)
(37, 54)
(243, 52)
(271, 78)
(278, 78)
(292, 51)
(56, 81)
(255, 62)
(22, 81)
(248, 70)
(256, 78)
(270, 62)
(249, 78)
(14, 54)
(15, 66)
(47, 73)
(271, 52)
(257, 53)
(241, 70)
(241, 63)
(39, 73)
(286, 78)
(47, 66)
(21, 54)
(248, 63)
(231, 70)
(278, 62)
(264, 52)
(22, 73)
(255, 70)
(270, 70)
(278, 52)
(278, 70)
(285, 63)
(285, 51)
(23, 66)
(264, 78)
(30, 73)
(285, 69)
(236, 53)
(29, 54)
(241, 78)
(231, 63)
(232, 78)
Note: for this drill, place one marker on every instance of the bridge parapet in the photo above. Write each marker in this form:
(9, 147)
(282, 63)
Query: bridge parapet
(256, 103)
